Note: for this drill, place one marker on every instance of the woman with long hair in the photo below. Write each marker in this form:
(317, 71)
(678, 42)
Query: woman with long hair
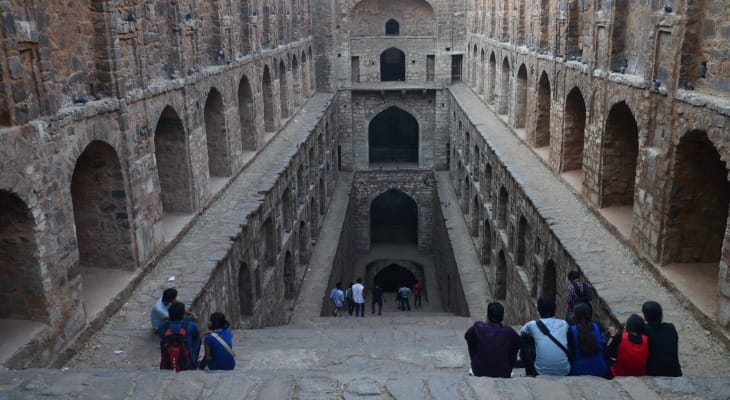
(629, 349)
(586, 344)
(663, 343)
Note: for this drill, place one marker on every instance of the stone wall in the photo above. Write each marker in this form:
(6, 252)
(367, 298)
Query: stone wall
(137, 114)
(447, 272)
(615, 120)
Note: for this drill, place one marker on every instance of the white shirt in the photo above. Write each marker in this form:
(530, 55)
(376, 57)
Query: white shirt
(357, 293)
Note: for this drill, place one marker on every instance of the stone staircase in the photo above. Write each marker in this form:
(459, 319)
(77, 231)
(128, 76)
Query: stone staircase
(399, 355)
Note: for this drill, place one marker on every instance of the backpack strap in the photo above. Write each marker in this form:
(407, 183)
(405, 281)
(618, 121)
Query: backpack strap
(224, 344)
(545, 331)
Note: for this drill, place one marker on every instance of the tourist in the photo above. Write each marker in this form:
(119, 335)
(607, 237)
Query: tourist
(378, 299)
(338, 299)
(629, 350)
(578, 291)
(550, 338)
(403, 294)
(178, 327)
(348, 298)
(663, 343)
(586, 344)
(218, 343)
(417, 289)
(358, 296)
(492, 346)
(159, 315)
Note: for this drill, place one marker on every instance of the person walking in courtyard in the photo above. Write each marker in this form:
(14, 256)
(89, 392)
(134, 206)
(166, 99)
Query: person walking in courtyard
(338, 299)
(586, 344)
(663, 343)
(629, 349)
(218, 344)
(417, 289)
(378, 299)
(348, 298)
(550, 337)
(492, 346)
(404, 293)
(578, 291)
(358, 296)
(159, 313)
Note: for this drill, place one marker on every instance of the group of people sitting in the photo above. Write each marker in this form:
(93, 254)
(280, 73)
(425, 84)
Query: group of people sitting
(181, 339)
(576, 346)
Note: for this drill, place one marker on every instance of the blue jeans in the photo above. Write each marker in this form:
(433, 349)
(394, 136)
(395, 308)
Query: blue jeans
(359, 309)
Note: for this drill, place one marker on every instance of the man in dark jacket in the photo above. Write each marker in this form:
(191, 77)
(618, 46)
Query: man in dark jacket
(492, 346)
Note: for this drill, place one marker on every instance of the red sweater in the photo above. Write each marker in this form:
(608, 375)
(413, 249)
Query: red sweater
(631, 357)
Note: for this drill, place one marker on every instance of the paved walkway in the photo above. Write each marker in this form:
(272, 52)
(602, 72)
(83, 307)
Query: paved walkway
(194, 258)
(619, 279)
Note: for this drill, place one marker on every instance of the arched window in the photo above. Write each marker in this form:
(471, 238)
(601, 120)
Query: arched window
(392, 65)
(392, 27)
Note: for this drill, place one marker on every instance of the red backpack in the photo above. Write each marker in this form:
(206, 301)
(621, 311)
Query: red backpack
(175, 354)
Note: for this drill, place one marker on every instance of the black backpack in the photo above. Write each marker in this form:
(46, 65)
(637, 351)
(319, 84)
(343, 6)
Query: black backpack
(175, 354)
(581, 296)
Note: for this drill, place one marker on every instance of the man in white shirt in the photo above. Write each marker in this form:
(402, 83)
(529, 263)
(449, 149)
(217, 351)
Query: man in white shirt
(550, 358)
(358, 296)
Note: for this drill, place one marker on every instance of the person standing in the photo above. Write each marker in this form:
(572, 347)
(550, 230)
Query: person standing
(358, 296)
(579, 291)
(404, 293)
(492, 346)
(348, 299)
(218, 344)
(378, 299)
(417, 289)
(338, 299)
(550, 336)
(663, 343)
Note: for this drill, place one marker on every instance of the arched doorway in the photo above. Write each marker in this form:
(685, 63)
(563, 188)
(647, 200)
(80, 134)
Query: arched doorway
(487, 244)
(392, 27)
(392, 277)
(542, 127)
(283, 90)
(245, 302)
(215, 135)
(102, 222)
(393, 218)
(698, 203)
(246, 115)
(173, 163)
(502, 212)
(500, 288)
(573, 132)
(492, 80)
(619, 153)
(296, 82)
(522, 238)
(23, 297)
(392, 65)
(289, 277)
(504, 89)
(520, 107)
(268, 97)
(393, 137)
(549, 280)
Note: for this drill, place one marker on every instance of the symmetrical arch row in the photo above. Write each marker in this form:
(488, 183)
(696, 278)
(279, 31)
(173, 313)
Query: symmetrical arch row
(108, 208)
(583, 35)
(605, 158)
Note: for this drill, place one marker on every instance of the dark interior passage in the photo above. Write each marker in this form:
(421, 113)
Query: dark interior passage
(392, 277)
(394, 218)
(393, 136)
(392, 65)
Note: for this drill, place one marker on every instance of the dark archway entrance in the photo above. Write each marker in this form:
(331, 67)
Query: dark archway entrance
(393, 276)
(173, 164)
(393, 137)
(620, 153)
(394, 218)
(392, 65)
(215, 134)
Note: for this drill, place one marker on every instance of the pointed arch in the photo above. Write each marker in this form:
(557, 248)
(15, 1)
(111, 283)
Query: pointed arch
(549, 280)
(500, 287)
(392, 65)
(574, 125)
(504, 89)
(394, 218)
(542, 127)
(215, 135)
(173, 163)
(296, 82)
(520, 107)
(268, 97)
(393, 135)
(283, 89)
(246, 107)
(619, 155)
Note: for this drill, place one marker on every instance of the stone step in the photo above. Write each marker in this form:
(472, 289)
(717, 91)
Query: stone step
(363, 384)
